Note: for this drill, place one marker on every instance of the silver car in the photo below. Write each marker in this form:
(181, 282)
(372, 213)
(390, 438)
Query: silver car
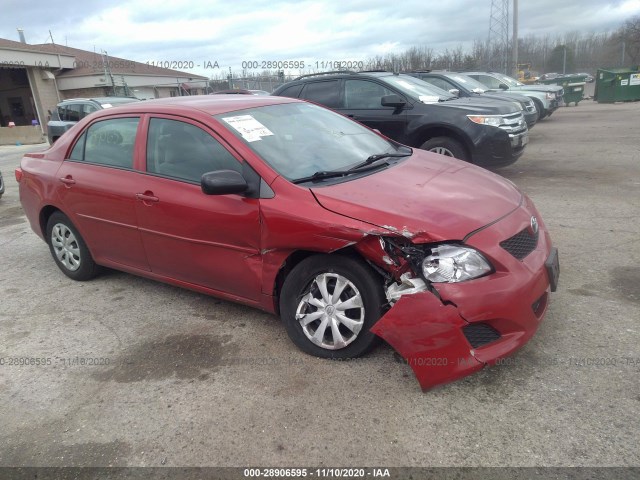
(69, 112)
(547, 98)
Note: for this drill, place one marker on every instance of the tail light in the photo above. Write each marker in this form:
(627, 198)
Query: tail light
(18, 174)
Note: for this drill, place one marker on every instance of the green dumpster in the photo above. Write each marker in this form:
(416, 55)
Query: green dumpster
(573, 86)
(617, 85)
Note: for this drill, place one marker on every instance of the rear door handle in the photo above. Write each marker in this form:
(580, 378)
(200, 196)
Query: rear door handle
(68, 180)
(146, 197)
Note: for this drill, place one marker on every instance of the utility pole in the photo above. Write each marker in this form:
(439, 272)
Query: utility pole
(514, 46)
(498, 41)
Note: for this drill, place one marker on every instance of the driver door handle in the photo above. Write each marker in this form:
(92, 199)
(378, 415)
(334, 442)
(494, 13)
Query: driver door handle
(68, 180)
(146, 197)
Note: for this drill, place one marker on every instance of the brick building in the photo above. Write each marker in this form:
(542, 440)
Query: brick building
(34, 78)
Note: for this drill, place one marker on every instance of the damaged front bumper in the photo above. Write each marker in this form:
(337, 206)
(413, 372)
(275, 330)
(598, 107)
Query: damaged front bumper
(451, 330)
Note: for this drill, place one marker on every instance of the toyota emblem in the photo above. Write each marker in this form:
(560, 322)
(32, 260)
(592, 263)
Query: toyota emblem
(534, 225)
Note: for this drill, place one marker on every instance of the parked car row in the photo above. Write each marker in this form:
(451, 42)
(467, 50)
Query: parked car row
(479, 117)
(349, 235)
(417, 114)
(462, 85)
(547, 98)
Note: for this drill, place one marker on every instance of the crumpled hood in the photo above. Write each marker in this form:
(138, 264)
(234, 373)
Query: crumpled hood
(427, 197)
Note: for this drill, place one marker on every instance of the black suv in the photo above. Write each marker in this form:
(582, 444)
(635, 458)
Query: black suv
(463, 85)
(413, 112)
(69, 112)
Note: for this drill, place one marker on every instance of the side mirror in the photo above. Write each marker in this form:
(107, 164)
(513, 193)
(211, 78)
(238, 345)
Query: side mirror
(393, 101)
(503, 86)
(223, 182)
(455, 91)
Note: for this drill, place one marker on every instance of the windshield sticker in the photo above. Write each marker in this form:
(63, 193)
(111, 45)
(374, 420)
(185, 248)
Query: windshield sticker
(106, 105)
(429, 98)
(250, 128)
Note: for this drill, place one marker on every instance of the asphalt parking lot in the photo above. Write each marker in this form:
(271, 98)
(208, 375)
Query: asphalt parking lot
(183, 379)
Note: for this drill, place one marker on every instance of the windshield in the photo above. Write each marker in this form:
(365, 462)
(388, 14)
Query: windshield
(470, 83)
(418, 89)
(512, 82)
(300, 139)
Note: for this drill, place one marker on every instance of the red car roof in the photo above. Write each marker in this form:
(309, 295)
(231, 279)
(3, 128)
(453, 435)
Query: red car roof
(210, 104)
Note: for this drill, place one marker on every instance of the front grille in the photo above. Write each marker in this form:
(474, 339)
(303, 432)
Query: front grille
(521, 244)
(530, 107)
(514, 123)
(479, 334)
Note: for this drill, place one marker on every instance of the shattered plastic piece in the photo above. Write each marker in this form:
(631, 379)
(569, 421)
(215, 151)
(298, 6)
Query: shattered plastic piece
(428, 335)
(409, 285)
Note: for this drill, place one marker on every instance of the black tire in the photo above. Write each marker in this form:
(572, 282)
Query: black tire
(303, 283)
(68, 249)
(446, 146)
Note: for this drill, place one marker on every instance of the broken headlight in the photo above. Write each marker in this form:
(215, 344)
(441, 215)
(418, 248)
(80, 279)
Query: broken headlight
(454, 263)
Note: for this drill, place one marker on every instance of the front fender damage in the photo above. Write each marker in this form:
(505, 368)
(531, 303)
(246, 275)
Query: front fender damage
(428, 335)
(423, 329)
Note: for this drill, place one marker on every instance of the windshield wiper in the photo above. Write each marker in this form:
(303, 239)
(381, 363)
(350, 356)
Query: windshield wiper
(321, 175)
(378, 156)
(364, 166)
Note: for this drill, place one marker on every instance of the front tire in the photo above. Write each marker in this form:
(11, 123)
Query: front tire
(68, 248)
(329, 303)
(446, 146)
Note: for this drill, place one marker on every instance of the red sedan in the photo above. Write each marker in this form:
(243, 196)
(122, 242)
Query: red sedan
(291, 208)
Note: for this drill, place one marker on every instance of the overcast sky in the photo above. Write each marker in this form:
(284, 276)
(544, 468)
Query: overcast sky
(231, 32)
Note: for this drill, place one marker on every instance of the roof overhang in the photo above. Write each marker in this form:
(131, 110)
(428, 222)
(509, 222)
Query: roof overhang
(12, 57)
(132, 81)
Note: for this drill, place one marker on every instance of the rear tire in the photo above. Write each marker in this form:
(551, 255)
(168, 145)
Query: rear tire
(446, 146)
(329, 303)
(68, 248)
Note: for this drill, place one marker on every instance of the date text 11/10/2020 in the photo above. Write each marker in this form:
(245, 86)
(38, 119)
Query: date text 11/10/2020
(262, 64)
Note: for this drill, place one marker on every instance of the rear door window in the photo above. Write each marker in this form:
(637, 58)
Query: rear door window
(325, 93)
(108, 142)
